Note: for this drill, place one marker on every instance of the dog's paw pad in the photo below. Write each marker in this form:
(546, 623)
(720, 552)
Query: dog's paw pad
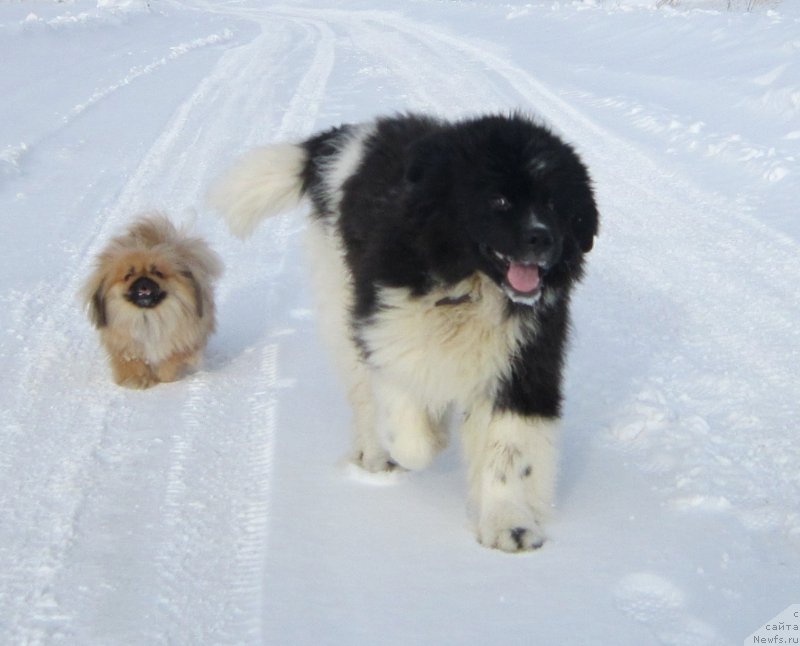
(526, 539)
(519, 538)
(415, 451)
(389, 475)
(375, 462)
(138, 383)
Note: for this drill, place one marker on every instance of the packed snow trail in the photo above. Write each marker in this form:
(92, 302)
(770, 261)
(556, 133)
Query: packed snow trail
(76, 494)
(216, 509)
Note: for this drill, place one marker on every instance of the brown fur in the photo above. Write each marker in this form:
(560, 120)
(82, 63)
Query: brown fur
(147, 346)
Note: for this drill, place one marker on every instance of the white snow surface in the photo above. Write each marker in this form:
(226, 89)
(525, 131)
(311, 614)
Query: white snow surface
(218, 509)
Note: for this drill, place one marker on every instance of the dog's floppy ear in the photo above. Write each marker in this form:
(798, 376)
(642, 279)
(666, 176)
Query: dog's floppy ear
(97, 303)
(585, 222)
(198, 292)
(573, 197)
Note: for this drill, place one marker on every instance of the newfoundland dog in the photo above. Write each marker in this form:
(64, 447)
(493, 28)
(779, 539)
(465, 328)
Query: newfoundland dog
(444, 254)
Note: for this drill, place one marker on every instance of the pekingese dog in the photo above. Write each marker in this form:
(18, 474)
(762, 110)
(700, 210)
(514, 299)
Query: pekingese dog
(151, 298)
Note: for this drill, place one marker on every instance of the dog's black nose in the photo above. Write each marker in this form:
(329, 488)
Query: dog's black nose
(539, 240)
(145, 292)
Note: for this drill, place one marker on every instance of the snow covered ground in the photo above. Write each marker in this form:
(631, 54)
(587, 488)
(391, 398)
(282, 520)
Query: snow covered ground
(217, 510)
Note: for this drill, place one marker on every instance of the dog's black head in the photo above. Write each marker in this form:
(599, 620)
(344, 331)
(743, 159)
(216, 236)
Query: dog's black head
(509, 199)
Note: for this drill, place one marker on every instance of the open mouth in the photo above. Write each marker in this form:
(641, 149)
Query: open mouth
(148, 302)
(522, 281)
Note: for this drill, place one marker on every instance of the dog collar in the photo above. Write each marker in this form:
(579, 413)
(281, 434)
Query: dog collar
(454, 300)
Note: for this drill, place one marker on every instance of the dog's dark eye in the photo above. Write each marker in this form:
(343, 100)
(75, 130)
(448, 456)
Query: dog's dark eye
(156, 272)
(499, 203)
(129, 275)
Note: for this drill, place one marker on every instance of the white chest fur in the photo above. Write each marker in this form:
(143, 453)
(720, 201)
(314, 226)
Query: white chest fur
(443, 351)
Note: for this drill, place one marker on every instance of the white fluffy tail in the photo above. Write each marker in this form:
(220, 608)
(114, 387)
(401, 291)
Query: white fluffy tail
(265, 182)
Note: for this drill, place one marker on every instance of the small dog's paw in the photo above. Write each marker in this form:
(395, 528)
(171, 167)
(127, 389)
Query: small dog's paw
(138, 382)
(176, 366)
(167, 373)
(512, 536)
(133, 373)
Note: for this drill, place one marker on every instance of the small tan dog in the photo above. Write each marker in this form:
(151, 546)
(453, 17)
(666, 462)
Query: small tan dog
(151, 297)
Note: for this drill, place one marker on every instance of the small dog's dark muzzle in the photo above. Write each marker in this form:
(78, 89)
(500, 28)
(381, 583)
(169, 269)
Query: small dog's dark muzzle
(145, 292)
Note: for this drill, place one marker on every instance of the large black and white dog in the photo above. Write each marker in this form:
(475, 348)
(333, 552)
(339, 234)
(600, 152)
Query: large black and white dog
(444, 255)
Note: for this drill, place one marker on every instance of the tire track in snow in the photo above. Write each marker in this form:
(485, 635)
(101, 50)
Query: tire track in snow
(56, 480)
(45, 472)
(63, 472)
(11, 157)
(181, 152)
(176, 52)
(216, 510)
(198, 578)
(432, 79)
(59, 482)
(50, 474)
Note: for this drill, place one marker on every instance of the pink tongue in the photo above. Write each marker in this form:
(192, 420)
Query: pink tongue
(523, 278)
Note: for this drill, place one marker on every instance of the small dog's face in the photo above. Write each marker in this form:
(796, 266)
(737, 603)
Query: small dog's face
(143, 287)
(142, 280)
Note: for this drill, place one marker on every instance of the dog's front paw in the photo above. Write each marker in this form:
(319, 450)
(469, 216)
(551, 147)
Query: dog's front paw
(374, 461)
(511, 533)
(405, 428)
(133, 374)
(138, 382)
(415, 450)
(174, 367)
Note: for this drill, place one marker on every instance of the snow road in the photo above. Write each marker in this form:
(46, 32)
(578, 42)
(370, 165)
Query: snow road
(217, 510)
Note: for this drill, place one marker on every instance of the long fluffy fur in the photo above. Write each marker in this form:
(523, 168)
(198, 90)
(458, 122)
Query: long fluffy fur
(147, 346)
(262, 184)
(444, 255)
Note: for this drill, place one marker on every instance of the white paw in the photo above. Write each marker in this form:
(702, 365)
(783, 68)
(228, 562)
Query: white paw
(511, 532)
(414, 450)
(374, 461)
